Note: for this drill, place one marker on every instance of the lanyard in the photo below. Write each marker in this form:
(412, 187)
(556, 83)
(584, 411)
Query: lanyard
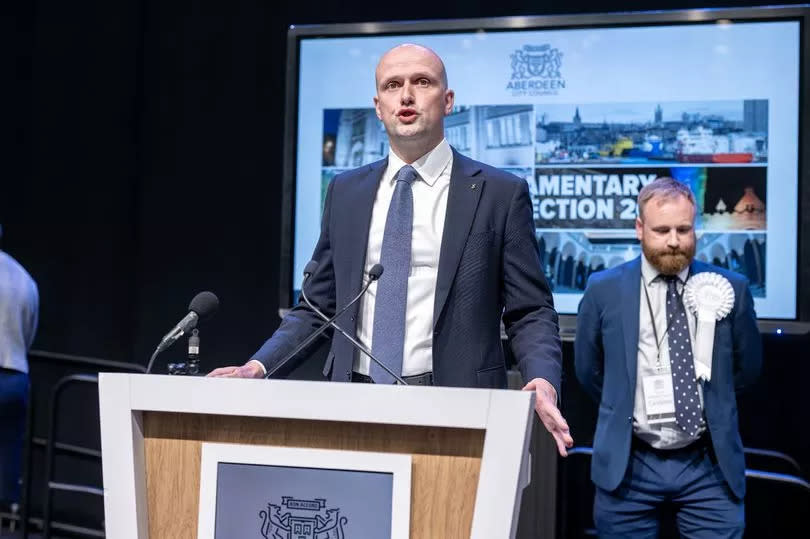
(658, 342)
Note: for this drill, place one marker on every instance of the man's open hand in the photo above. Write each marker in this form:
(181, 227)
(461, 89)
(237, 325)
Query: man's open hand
(545, 405)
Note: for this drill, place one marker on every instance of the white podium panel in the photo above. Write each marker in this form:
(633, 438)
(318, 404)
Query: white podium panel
(469, 447)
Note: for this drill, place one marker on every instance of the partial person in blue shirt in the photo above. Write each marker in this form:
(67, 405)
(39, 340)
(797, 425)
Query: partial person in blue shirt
(19, 313)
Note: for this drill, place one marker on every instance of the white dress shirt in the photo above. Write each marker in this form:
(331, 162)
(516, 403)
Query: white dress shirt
(429, 208)
(653, 358)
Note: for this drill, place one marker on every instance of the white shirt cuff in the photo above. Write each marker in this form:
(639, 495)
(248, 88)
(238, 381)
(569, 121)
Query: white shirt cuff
(260, 364)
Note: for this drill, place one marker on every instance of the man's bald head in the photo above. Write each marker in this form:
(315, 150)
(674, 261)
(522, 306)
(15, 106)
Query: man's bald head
(411, 51)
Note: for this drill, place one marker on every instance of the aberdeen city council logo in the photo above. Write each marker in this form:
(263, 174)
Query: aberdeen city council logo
(536, 70)
(303, 519)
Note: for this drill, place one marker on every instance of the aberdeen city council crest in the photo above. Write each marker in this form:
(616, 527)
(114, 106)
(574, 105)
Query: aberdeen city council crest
(303, 519)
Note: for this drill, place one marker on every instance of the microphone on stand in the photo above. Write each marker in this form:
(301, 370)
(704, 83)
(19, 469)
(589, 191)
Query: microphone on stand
(309, 269)
(194, 352)
(192, 366)
(202, 306)
(374, 273)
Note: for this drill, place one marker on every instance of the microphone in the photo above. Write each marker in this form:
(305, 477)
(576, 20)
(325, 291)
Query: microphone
(202, 306)
(309, 269)
(374, 273)
(194, 345)
(194, 352)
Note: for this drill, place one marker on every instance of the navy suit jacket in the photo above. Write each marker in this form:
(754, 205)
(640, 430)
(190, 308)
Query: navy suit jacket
(606, 355)
(489, 265)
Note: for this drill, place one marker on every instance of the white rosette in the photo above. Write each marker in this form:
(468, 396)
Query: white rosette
(710, 296)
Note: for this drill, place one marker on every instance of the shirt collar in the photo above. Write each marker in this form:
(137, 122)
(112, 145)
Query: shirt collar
(650, 274)
(429, 167)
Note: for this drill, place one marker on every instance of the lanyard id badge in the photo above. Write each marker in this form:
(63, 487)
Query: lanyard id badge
(659, 399)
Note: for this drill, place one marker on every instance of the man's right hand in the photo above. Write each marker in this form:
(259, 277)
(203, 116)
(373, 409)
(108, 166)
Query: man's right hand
(251, 369)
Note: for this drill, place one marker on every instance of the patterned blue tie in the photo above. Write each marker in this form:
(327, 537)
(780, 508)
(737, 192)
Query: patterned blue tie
(688, 413)
(388, 336)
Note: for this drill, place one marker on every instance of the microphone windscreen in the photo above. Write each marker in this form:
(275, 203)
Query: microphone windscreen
(204, 304)
(310, 268)
(375, 271)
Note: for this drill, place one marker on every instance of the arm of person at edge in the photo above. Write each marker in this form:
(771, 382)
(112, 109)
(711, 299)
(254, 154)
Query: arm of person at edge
(301, 321)
(530, 319)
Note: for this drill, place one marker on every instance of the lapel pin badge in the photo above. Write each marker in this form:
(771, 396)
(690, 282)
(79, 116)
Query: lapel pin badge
(473, 186)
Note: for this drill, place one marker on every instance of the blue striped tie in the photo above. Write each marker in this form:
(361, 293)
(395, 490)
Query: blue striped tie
(388, 336)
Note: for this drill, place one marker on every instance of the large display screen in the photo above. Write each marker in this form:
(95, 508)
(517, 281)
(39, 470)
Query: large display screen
(588, 116)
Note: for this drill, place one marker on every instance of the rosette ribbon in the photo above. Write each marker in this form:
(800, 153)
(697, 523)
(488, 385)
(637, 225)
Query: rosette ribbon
(710, 297)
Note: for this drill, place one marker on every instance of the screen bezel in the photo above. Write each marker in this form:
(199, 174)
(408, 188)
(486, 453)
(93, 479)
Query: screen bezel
(799, 13)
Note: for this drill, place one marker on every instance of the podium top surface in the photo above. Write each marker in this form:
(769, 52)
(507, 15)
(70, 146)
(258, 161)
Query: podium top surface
(327, 401)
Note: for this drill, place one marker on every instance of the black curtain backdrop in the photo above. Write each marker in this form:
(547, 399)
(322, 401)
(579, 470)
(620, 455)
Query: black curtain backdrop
(142, 164)
(143, 160)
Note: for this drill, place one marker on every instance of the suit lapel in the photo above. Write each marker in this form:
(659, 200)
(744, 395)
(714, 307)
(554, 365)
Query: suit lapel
(466, 186)
(355, 223)
(631, 286)
(696, 267)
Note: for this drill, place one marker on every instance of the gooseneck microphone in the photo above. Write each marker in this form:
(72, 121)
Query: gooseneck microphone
(374, 273)
(202, 306)
(309, 269)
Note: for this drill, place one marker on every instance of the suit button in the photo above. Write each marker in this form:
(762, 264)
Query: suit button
(352, 319)
(630, 419)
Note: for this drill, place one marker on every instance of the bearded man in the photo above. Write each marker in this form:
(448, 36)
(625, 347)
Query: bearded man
(663, 344)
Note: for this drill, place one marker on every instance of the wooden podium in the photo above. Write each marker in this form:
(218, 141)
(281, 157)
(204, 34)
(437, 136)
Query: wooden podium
(469, 448)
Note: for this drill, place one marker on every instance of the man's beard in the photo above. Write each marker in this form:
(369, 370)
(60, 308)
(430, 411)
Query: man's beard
(669, 261)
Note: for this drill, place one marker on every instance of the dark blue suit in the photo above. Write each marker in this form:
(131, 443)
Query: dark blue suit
(489, 266)
(606, 352)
